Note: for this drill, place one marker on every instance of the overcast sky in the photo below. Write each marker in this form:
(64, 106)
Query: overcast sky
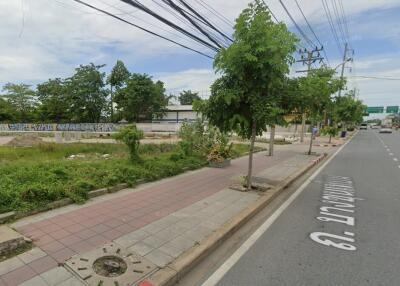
(42, 39)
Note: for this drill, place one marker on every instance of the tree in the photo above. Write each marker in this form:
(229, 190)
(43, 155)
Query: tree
(119, 74)
(348, 110)
(315, 91)
(7, 112)
(251, 67)
(22, 99)
(86, 93)
(54, 105)
(187, 97)
(284, 101)
(141, 98)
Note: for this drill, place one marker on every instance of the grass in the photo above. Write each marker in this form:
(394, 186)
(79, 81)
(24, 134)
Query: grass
(34, 176)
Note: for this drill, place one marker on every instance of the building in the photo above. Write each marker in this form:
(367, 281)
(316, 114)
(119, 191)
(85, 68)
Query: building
(177, 114)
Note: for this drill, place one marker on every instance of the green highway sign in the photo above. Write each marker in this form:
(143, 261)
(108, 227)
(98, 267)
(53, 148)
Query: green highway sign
(375, 109)
(392, 109)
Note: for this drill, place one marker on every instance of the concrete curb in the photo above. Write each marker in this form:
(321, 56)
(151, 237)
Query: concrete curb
(171, 274)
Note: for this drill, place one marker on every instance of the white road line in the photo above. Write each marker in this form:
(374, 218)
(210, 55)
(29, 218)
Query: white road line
(395, 159)
(391, 154)
(231, 261)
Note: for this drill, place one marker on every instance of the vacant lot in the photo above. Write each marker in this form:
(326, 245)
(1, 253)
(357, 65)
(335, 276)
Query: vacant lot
(31, 177)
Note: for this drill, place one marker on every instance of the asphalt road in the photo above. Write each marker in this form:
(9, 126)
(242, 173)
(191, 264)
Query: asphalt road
(358, 243)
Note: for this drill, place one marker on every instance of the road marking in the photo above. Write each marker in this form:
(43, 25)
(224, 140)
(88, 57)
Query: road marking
(391, 154)
(388, 150)
(395, 159)
(231, 261)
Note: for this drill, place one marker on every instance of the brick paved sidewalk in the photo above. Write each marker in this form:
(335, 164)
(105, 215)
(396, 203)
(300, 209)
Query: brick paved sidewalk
(158, 221)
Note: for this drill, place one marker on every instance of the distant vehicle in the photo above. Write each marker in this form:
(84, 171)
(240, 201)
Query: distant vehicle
(363, 126)
(375, 126)
(385, 129)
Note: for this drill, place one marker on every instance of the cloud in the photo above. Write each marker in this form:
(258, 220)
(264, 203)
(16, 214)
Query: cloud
(198, 80)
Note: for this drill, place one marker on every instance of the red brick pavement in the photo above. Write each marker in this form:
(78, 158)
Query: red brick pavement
(89, 227)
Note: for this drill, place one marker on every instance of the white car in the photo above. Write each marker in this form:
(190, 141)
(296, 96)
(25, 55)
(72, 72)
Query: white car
(385, 129)
(363, 126)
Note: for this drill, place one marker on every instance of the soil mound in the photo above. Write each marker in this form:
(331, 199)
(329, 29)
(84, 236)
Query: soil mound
(27, 140)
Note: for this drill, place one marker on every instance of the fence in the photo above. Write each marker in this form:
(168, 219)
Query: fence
(86, 127)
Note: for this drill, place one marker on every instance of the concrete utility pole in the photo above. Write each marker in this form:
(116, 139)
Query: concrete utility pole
(345, 60)
(312, 57)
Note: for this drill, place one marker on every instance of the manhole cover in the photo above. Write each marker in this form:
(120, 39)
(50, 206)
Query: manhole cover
(110, 265)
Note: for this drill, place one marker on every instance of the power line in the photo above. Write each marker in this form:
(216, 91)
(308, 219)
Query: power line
(331, 24)
(339, 21)
(216, 13)
(193, 22)
(205, 20)
(141, 28)
(273, 15)
(312, 30)
(312, 45)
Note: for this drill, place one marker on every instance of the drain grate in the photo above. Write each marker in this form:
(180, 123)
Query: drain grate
(111, 265)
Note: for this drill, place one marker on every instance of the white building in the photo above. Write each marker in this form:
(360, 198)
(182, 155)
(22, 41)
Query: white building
(177, 114)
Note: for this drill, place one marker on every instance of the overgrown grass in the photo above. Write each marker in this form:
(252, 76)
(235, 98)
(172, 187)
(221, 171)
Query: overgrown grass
(32, 177)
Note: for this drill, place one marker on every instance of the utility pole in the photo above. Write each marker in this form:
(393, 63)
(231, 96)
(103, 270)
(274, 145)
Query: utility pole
(311, 57)
(345, 60)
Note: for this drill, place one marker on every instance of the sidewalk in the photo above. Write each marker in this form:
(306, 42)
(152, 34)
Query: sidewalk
(156, 222)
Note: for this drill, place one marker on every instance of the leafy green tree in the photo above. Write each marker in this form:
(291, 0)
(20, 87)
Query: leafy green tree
(86, 93)
(284, 100)
(141, 98)
(187, 97)
(348, 110)
(251, 68)
(22, 100)
(7, 112)
(315, 94)
(54, 105)
(118, 76)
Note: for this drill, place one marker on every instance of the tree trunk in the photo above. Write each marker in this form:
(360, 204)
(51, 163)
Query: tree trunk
(311, 140)
(330, 139)
(112, 105)
(252, 140)
(303, 127)
(271, 141)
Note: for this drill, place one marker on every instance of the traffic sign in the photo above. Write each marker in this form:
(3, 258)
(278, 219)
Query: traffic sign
(392, 109)
(375, 109)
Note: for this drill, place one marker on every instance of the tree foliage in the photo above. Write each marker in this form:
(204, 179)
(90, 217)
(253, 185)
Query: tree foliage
(141, 98)
(21, 98)
(119, 74)
(187, 97)
(54, 103)
(252, 69)
(86, 93)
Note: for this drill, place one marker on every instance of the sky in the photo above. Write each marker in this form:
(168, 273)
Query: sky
(42, 39)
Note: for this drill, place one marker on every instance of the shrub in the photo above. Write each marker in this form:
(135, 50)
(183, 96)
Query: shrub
(131, 136)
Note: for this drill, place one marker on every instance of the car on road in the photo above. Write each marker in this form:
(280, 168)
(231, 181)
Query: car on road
(363, 126)
(385, 129)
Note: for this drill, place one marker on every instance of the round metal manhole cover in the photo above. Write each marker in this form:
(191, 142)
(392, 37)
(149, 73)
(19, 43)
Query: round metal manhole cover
(110, 266)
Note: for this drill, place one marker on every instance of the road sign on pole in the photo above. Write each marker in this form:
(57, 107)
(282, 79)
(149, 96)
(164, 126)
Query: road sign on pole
(392, 109)
(375, 109)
